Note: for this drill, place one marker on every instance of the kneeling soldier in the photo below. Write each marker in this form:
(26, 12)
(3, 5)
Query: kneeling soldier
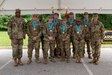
(64, 35)
(49, 33)
(34, 33)
(78, 34)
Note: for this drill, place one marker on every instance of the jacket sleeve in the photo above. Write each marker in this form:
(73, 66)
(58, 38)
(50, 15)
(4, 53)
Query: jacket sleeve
(10, 28)
(102, 31)
(28, 30)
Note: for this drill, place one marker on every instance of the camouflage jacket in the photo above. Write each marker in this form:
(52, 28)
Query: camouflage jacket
(96, 31)
(68, 23)
(78, 35)
(86, 27)
(16, 28)
(65, 34)
(57, 25)
(33, 32)
(49, 33)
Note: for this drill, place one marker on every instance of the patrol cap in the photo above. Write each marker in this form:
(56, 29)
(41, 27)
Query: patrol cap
(50, 16)
(85, 13)
(56, 14)
(71, 13)
(34, 15)
(95, 14)
(18, 10)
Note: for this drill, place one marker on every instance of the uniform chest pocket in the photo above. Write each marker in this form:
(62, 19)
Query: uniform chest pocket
(97, 28)
(92, 29)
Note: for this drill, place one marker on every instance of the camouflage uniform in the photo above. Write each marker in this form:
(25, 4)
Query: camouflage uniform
(78, 38)
(57, 49)
(42, 23)
(71, 37)
(33, 43)
(16, 32)
(49, 43)
(87, 41)
(96, 35)
(65, 45)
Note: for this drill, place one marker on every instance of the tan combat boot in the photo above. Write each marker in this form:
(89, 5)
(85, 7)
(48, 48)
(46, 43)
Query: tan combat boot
(96, 61)
(29, 61)
(20, 62)
(15, 62)
(45, 61)
(37, 61)
(53, 60)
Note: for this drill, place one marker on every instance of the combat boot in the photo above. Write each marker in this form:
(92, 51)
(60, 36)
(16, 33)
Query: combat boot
(20, 62)
(15, 62)
(29, 61)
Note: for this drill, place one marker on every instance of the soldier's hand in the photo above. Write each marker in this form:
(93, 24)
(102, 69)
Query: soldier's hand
(50, 38)
(101, 41)
(34, 38)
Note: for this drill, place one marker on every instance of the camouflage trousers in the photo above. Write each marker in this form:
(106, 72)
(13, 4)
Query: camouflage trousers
(73, 46)
(65, 49)
(17, 48)
(47, 45)
(87, 42)
(96, 45)
(79, 46)
(33, 45)
(57, 51)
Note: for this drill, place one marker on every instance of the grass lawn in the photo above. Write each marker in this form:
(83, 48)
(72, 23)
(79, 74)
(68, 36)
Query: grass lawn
(5, 41)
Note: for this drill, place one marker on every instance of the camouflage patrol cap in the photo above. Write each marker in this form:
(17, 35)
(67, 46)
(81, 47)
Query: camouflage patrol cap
(96, 14)
(56, 14)
(71, 13)
(34, 15)
(50, 16)
(18, 10)
(85, 13)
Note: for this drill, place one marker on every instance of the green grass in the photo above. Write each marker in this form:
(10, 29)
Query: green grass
(5, 41)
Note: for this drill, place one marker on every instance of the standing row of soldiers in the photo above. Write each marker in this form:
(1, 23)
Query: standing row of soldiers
(56, 35)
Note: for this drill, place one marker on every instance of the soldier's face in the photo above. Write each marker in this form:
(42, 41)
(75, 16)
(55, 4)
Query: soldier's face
(50, 19)
(55, 16)
(18, 14)
(34, 18)
(95, 17)
(64, 21)
(71, 16)
(86, 16)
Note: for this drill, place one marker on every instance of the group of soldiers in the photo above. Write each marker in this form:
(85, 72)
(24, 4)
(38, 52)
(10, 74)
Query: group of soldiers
(56, 36)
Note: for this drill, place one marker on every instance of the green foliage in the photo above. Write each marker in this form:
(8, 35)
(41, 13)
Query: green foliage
(106, 19)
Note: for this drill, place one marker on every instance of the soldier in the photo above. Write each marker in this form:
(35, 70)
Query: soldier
(86, 22)
(34, 33)
(16, 32)
(49, 32)
(96, 34)
(71, 22)
(57, 23)
(41, 23)
(78, 34)
(64, 35)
